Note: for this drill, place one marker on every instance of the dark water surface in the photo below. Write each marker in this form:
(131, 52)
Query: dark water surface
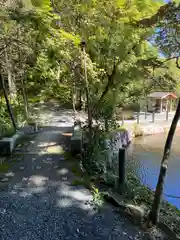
(145, 156)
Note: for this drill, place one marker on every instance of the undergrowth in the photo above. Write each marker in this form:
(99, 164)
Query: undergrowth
(140, 195)
(6, 127)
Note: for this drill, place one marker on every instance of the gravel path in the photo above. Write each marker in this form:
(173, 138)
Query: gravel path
(41, 203)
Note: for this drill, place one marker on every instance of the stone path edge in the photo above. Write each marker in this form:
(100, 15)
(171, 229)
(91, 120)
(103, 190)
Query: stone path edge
(111, 197)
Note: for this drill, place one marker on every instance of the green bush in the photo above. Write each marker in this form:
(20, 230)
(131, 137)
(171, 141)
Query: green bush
(132, 107)
(6, 128)
(137, 130)
(60, 92)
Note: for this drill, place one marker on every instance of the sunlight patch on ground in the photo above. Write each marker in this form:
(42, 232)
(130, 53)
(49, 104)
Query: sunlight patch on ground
(38, 180)
(62, 171)
(80, 195)
(44, 144)
(29, 191)
(67, 134)
(47, 144)
(10, 174)
(55, 149)
(65, 202)
(47, 162)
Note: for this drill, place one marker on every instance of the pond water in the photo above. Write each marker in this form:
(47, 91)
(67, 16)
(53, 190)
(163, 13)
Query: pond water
(144, 160)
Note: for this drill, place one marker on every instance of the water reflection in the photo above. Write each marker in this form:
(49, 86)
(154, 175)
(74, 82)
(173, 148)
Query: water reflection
(145, 156)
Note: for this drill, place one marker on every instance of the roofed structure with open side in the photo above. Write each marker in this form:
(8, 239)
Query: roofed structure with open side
(161, 101)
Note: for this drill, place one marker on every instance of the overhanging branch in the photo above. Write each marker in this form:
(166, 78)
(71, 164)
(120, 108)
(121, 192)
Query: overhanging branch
(159, 15)
(110, 80)
(111, 76)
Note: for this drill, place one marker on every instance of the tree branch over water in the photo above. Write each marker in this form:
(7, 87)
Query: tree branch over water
(151, 21)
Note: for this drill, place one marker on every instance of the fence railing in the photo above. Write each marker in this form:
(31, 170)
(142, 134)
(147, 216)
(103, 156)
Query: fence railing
(153, 117)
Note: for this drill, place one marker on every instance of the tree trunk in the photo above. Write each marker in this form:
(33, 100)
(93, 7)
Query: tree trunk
(11, 82)
(82, 100)
(106, 124)
(8, 103)
(58, 75)
(110, 80)
(22, 77)
(79, 101)
(74, 98)
(154, 213)
(87, 93)
(25, 100)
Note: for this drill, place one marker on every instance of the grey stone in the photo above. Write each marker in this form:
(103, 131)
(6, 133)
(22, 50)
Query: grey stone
(5, 179)
(76, 139)
(7, 144)
(136, 212)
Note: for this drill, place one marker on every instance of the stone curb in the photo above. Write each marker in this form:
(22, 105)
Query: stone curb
(7, 144)
(76, 138)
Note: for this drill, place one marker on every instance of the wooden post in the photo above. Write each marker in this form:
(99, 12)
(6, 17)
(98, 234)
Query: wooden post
(122, 159)
(153, 115)
(138, 113)
(145, 113)
(167, 114)
(122, 118)
(161, 106)
(167, 111)
(170, 106)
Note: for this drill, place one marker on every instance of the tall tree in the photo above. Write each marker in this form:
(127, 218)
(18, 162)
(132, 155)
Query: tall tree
(114, 46)
(154, 213)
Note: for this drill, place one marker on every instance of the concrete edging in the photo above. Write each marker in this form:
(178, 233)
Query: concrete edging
(7, 144)
(76, 138)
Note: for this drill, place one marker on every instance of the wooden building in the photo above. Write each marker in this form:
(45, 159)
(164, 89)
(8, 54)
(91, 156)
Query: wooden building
(161, 101)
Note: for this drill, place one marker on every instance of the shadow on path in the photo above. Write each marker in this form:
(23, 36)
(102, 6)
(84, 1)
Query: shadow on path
(40, 202)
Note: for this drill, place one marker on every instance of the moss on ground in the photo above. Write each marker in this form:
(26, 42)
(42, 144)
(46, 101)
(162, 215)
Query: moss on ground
(82, 178)
(4, 167)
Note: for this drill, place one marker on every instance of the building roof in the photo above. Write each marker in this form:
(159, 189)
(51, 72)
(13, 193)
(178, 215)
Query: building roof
(161, 95)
